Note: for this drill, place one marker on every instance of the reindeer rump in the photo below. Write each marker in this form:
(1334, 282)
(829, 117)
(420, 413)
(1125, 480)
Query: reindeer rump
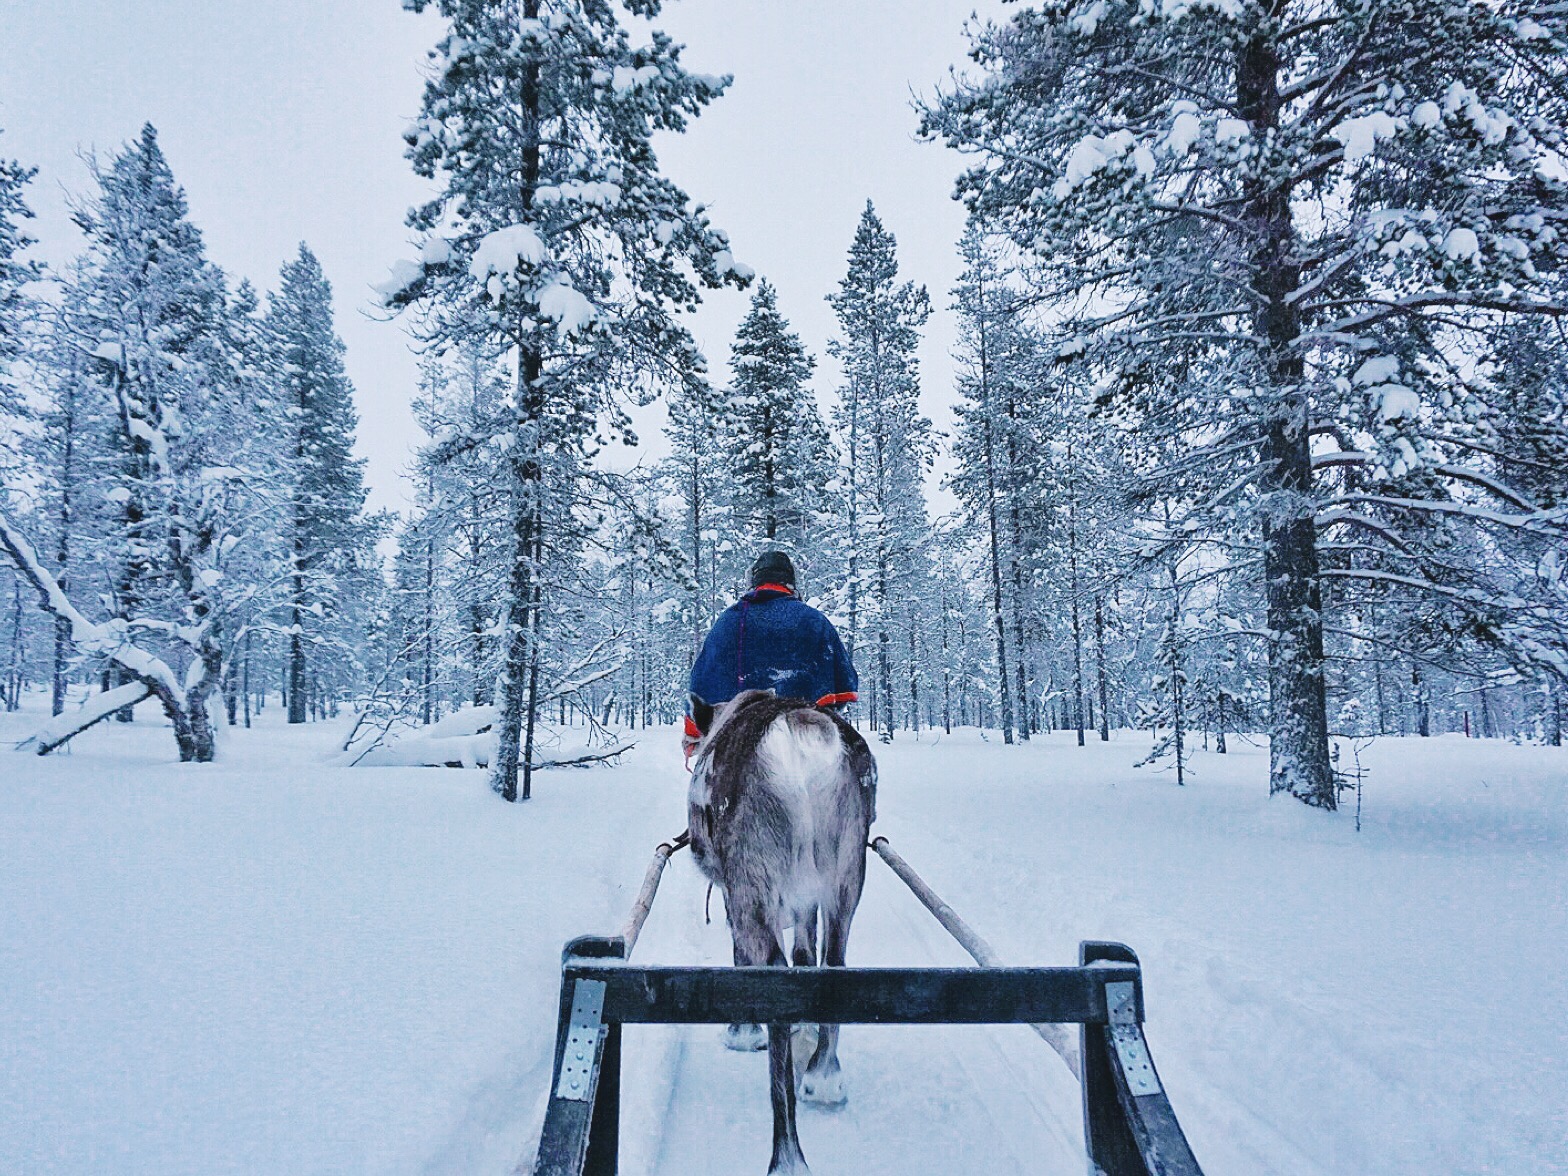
(780, 808)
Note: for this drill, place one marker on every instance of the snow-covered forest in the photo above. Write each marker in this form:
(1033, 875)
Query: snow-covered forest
(1258, 421)
(1253, 445)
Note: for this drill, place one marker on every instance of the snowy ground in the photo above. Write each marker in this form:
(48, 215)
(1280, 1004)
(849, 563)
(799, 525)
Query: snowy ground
(269, 965)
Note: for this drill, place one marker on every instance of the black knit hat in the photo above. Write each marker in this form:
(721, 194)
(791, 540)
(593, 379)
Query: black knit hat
(773, 567)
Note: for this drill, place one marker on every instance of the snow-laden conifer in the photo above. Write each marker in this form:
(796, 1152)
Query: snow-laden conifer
(555, 235)
(148, 311)
(779, 457)
(15, 269)
(887, 448)
(984, 479)
(326, 538)
(697, 475)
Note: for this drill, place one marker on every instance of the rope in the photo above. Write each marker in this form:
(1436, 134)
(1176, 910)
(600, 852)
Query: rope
(980, 951)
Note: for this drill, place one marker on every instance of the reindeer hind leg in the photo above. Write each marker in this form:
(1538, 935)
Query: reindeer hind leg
(823, 1082)
(804, 954)
(756, 943)
(742, 1037)
(787, 1156)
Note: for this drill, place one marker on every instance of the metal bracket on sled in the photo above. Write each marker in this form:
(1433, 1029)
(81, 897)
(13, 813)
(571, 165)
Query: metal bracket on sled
(582, 1040)
(1127, 1036)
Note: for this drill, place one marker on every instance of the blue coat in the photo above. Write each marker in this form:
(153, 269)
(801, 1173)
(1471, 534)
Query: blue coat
(769, 640)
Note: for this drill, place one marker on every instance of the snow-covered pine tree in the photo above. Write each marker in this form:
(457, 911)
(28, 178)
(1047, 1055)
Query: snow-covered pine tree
(463, 407)
(983, 478)
(776, 445)
(1319, 202)
(259, 566)
(151, 308)
(555, 235)
(1019, 391)
(15, 270)
(888, 447)
(1529, 396)
(697, 474)
(326, 537)
(154, 304)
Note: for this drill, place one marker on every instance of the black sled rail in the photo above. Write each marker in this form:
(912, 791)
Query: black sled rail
(1129, 1126)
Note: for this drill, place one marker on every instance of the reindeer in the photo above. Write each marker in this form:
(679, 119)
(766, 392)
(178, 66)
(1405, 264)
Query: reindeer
(782, 799)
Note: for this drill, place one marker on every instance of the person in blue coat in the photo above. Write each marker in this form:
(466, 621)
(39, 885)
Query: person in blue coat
(769, 639)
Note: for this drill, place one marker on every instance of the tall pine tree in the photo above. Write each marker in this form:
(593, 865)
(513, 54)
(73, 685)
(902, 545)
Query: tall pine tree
(151, 312)
(327, 490)
(555, 236)
(15, 270)
(985, 479)
(698, 475)
(887, 450)
(779, 454)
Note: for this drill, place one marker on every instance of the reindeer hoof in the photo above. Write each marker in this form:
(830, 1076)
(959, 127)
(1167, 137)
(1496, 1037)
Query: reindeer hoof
(788, 1163)
(825, 1089)
(745, 1038)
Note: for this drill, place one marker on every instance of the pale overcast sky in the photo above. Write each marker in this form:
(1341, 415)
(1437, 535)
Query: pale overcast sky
(283, 122)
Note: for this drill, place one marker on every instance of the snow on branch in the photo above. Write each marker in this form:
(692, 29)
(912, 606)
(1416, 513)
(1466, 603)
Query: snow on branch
(1534, 520)
(110, 639)
(1498, 489)
(68, 724)
(1330, 518)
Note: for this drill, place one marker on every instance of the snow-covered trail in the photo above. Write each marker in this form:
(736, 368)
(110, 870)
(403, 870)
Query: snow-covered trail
(921, 1098)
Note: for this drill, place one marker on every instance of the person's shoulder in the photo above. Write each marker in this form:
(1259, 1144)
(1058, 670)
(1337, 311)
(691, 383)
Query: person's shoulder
(726, 620)
(807, 612)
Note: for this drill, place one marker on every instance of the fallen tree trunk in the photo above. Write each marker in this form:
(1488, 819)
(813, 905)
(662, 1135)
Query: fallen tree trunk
(67, 725)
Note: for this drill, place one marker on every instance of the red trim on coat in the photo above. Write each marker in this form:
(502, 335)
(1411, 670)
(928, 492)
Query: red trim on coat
(692, 730)
(836, 699)
(784, 588)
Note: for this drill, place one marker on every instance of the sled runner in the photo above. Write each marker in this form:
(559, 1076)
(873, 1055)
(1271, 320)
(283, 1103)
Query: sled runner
(1129, 1126)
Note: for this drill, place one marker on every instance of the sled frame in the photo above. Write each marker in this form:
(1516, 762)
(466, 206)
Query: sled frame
(1129, 1126)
